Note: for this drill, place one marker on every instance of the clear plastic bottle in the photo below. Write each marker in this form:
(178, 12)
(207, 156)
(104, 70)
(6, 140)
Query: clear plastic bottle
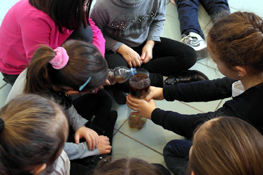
(120, 74)
(139, 88)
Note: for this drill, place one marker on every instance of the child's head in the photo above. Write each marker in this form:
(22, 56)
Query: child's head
(70, 14)
(237, 40)
(33, 135)
(124, 166)
(226, 146)
(83, 68)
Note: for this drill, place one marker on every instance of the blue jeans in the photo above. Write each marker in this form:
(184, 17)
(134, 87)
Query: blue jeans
(188, 13)
(176, 155)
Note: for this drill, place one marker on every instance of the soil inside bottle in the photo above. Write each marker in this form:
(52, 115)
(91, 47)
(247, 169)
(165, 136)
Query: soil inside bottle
(139, 88)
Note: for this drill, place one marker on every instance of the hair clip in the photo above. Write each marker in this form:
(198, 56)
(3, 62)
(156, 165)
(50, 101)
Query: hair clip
(81, 87)
(2, 125)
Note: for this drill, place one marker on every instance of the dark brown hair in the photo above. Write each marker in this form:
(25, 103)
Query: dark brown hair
(124, 166)
(65, 13)
(227, 146)
(84, 61)
(34, 133)
(237, 39)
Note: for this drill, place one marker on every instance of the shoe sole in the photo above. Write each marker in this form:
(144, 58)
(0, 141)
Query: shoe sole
(204, 53)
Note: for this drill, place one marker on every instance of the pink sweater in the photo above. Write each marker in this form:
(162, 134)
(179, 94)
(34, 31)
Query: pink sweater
(24, 28)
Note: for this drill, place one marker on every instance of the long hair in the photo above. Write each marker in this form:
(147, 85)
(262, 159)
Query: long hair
(124, 166)
(65, 13)
(84, 61)
(34, 133)
(227, 146)
(237, 39)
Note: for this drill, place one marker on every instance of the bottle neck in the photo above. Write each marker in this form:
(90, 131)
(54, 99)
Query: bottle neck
(133, 71)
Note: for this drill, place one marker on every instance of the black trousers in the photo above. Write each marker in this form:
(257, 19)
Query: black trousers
(89, 105)
(169, 57)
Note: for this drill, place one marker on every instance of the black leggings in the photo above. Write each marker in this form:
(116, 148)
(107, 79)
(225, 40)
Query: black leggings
(169, 57)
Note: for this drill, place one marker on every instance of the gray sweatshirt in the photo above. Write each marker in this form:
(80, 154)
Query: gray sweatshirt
(129, 22)
(74, 151)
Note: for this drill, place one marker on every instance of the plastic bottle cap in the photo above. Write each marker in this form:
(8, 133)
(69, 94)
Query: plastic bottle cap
(133, 71)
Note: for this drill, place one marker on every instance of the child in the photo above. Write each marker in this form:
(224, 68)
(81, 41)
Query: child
(236, 45)
(132, 166)
(226, 146)
(75, 68)
(132, 31)
(30, 23)
(33, 131)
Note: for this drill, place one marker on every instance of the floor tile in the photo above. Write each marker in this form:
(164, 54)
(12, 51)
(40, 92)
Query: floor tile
(171, 28)
(171, 10)
(148, 142)
(5, 6)
(249, 6)
(3, 94)
(126, 147)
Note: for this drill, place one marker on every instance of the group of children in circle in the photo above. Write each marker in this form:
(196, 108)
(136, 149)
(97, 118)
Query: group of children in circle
(39, 115)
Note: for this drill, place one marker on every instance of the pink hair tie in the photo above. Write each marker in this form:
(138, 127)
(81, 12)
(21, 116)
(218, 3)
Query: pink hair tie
(61, 58)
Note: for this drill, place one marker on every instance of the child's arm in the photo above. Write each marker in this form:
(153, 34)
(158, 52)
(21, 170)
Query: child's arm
(142, 107)
(156, 93)
(156, 26)
(104, 145)
(147, 55)
(90, 136)
(77, 123)
(79, 151)
(98, 39)
(199, 91)
(132, 58)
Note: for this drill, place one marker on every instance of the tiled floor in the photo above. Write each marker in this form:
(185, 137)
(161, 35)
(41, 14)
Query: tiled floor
(148, 142)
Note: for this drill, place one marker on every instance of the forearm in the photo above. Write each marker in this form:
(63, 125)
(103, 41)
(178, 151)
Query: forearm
(98, 39)
(199, 91)
(181, 124)
(79, 151)
(74, 119)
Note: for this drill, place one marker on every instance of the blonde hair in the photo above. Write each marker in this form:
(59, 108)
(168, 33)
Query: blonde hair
(35, 130)
(227, 146)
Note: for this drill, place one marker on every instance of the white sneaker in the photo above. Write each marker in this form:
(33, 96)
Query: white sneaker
(198, 43)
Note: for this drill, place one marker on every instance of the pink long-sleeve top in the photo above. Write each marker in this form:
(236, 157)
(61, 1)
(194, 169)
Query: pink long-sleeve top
(24, 29)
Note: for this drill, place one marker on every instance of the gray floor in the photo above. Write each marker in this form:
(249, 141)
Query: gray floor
(148, 142)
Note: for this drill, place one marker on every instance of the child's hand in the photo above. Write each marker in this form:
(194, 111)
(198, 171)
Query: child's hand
(90, 136)
(147, 51)
(104, 145)
(143, 108)
(156, 93)
(133, 58)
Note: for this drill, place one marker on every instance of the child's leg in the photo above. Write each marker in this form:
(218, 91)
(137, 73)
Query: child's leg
(98, 105)
(171, 57)
(188, 16)
(217, 9)
(176, 155)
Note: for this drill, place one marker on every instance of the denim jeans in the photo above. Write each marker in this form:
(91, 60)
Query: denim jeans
(188, 13)
(176, 155)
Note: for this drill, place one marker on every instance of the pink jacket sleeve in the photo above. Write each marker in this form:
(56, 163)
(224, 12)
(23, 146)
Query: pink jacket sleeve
(98, 39)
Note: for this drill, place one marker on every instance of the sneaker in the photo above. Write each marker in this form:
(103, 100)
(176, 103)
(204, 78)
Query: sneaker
(198, 43)
(186, 76)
